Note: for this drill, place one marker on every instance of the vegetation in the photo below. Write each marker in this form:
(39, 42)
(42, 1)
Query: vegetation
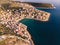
(2, 42)
(5, 30)
(5, 1)
(4, 4)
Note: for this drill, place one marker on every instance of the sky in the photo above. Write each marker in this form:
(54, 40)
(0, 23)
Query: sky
(47, 1)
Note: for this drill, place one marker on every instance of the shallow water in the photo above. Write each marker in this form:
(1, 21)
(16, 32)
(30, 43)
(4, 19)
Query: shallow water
(45, 33)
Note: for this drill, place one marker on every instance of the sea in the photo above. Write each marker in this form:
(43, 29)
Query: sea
(45, 33)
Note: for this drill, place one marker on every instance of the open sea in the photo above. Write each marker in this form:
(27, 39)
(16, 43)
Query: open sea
(45, 33)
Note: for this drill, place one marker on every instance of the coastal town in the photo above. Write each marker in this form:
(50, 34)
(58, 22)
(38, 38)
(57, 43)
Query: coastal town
(11, 29)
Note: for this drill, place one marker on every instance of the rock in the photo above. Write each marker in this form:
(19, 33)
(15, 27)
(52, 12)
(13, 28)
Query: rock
(12, 40)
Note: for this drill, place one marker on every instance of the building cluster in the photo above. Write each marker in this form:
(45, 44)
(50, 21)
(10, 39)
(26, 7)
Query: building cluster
(13, 15)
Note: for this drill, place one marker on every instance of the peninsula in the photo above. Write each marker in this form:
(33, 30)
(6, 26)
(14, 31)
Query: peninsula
(13, 32)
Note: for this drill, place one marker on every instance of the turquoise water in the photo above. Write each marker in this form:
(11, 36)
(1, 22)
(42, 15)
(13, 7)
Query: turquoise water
(45, 33)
